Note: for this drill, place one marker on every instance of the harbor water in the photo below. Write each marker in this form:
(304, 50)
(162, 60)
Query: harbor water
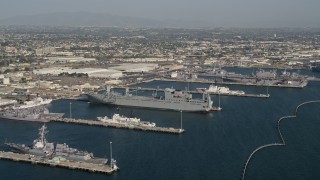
(215, 146)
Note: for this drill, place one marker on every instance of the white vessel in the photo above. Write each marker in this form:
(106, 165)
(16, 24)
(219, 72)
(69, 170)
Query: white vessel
(38, 101)
(118, 119)
(220, 90)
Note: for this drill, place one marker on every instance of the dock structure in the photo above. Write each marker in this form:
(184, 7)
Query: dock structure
(90, 167)
(313, 79)
(231, 83)
(123, 126)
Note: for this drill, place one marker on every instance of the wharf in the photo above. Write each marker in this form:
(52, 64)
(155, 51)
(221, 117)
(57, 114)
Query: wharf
(230, 83)
(90, 167)
(211, 93)
(314, 79)
(262, 85)
(123, 126)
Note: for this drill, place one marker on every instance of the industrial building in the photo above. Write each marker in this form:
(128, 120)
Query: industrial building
(6, 102)
(70, 59)
(92, 72)
(140, 67)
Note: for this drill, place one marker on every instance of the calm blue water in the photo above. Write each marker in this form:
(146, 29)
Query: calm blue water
(215, 146)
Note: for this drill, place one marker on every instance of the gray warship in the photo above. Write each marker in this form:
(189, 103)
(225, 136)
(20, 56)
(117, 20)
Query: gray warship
(172, 100)
(37, 114)
(267, 78)
(315, 67)
(42, 148)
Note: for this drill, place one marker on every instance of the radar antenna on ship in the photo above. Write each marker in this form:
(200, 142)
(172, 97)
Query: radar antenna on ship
(41, 141)
(42, 132)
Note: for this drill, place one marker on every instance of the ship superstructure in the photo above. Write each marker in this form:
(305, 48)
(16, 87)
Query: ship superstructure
(40, 147)
(38, 101)
(262, 74)
(220, 90)
(172, 100)
(118, 119)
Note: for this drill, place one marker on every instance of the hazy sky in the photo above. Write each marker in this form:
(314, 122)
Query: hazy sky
(298, 13)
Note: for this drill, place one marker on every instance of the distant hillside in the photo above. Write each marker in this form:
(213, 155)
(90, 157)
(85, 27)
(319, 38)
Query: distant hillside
(101, 19)
(81, 19)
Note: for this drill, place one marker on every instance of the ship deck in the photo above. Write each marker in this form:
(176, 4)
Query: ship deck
(211, 93)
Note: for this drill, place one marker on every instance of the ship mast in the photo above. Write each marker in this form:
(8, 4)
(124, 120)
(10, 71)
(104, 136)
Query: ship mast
(42, 134)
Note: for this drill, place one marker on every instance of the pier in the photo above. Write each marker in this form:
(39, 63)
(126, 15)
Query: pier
(231, 83)
(122, 126)
(282, 143)
(84, 166)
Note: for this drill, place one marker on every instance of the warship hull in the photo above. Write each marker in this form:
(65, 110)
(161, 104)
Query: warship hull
(24, 119)
(44, 118)
(151, 103)
(18, 148)
(22, 149)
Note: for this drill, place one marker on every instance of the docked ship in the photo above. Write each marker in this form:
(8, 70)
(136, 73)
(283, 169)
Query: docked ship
(262, 74)
(316, 68)
(259, 74)
(38, 101)
(118, 119)
(39, 114)
(271, 78)
(220, 90)
(42, 148)
(291, 75)
(172, 100)
(219, 72)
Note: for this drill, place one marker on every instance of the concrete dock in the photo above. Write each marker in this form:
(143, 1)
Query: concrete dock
(231, 83)
(90, 167)
(114, 125)
(123, 126)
